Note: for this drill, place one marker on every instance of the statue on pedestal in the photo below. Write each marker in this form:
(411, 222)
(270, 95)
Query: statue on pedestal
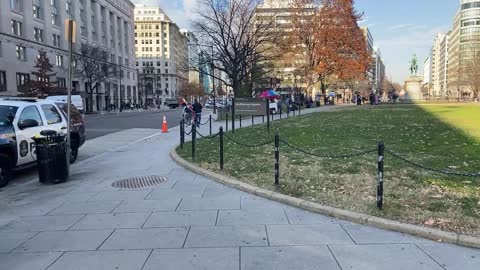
(414, 65)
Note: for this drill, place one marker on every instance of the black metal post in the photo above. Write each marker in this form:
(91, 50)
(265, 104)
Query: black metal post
(381, 157)
(263, 118)
(233, 115)
(226, 122)
(240, 117)
(210, 120)
(300, 109)
(194, 137)
(280, 114)
(182, 133)
(253, 120)
(268, 115)
(221, 148)
(277, 159)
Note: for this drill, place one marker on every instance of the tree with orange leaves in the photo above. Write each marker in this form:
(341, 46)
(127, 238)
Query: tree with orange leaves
(326, 32)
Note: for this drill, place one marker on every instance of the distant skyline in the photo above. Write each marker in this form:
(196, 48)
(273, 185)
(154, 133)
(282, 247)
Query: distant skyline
(400, 28)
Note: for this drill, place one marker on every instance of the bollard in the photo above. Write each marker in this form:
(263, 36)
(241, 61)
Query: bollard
(221, 148)
(381, 157)
(182, 133)
(268, 115)
(194, 137)
(253, 120)
(277, 160)
(226, 122)
(233, 115)
(210, 120)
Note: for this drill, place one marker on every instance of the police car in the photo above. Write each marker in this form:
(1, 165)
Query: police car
(21, 119)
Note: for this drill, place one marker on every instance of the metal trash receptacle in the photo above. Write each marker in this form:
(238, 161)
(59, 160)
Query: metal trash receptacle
(51, 150)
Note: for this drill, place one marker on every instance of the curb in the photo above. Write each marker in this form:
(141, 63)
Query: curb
(391, 225)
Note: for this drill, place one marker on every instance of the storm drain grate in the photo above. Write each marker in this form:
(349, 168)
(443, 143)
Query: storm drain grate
(139, 182)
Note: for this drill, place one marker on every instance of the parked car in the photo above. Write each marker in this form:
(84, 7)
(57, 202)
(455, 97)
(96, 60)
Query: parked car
(76, 100)
(21, 119)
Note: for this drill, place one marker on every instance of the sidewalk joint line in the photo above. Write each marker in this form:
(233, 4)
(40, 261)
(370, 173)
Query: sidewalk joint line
(115, 208)
(105, 240)
(54, 261)
(80, 219)
(288, 220)
(345, 230)
(266, 233)
(216, 220)
(149, 216)
(186, 237)
(335, 258)
(148, 257)
(240, 258)
(428, 255)
(178, 205)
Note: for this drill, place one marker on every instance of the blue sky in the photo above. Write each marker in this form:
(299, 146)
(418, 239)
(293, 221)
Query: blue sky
(400, 28)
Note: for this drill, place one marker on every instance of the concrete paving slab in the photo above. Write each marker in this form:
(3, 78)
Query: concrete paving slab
(111, 221)
(190, 187)
(10, 240)
(254, 202)
(5, 220)
(182, 219)
(213, 192)
(301, 217)
(102, 260)
(160, 194)
(252, 217)
(225, 202)
(28, 261)
(368, 235)
(95, 207)
(181, 174)
(42, 223)
(227, 236)
(302, 235)
(287, 258)
(30, 209)
(453, 257)
(121, 195)
(65, 241)
(194, 259)
(392, 257)
(165, 204)
(146, 238)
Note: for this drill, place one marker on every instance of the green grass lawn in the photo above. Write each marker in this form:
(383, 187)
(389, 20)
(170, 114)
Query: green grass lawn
(441, 136)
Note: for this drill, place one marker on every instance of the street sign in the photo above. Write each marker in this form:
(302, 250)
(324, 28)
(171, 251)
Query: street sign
(70, 34)
(250, 106)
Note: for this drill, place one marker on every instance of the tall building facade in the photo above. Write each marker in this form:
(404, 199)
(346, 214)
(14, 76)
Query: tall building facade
(162, 55)
(452, 52)
(27, 26)
(376, 73)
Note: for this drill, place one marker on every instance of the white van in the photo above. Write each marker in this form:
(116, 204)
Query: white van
(77, 101)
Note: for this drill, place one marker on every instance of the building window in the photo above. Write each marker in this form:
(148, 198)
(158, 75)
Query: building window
(166, 64)
(38, 34)
(16, 5)
(68, 8)
(37, 9)
(62, 82)
(22, 79)
(59, 60)
(166, 71)
(56, 40)
(17, 28)
(53, 6)
(3, 81)
(20, 50)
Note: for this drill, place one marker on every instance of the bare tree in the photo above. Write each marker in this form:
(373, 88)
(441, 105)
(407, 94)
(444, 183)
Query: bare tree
(93, 67)
(471, 74)
(239, 40)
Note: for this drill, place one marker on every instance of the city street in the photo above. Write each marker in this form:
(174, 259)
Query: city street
(98, 125)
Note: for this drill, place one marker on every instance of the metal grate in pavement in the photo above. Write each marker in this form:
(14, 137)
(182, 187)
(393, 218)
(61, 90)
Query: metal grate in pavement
(139, 182)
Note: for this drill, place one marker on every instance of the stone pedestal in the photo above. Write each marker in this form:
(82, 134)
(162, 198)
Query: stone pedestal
(413, 88)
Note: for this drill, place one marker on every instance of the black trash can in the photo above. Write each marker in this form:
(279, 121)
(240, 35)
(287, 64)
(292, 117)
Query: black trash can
(51, 152)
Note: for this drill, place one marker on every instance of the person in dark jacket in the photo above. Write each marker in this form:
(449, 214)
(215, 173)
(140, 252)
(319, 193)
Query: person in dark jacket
(197, 108)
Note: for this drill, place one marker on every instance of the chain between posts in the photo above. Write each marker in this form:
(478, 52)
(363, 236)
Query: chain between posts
(207, 137)
(298, 149)
(423, 167)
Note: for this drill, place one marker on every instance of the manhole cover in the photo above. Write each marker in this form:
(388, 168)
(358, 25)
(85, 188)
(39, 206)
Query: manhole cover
(139, 182)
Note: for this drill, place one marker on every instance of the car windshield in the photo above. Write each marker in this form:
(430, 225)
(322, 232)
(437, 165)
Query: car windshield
(6, 114)
(75, 114)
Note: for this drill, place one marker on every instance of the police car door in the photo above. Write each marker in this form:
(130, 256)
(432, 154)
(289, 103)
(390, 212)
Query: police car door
(25, 144)
(54, 120)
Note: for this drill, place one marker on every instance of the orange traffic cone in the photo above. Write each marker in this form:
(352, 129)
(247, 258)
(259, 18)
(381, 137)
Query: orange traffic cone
(164, 125)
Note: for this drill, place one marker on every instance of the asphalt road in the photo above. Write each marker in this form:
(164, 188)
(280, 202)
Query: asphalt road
(98, 125)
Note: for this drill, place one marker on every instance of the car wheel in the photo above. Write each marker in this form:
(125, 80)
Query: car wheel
(5, 176)
(73, 154)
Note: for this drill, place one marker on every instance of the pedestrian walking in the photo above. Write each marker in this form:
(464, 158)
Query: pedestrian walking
(197, 108)
(279, 105)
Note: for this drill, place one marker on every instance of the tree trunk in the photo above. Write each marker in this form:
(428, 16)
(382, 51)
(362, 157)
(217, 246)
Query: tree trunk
(90, 94)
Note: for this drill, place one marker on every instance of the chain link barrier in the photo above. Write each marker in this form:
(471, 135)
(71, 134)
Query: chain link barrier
(189, 133)
(249, 145)
(331, 156)
(208, 137)
(423, 167)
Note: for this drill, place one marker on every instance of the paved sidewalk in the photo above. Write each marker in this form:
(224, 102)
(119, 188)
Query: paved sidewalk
(189, 222)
